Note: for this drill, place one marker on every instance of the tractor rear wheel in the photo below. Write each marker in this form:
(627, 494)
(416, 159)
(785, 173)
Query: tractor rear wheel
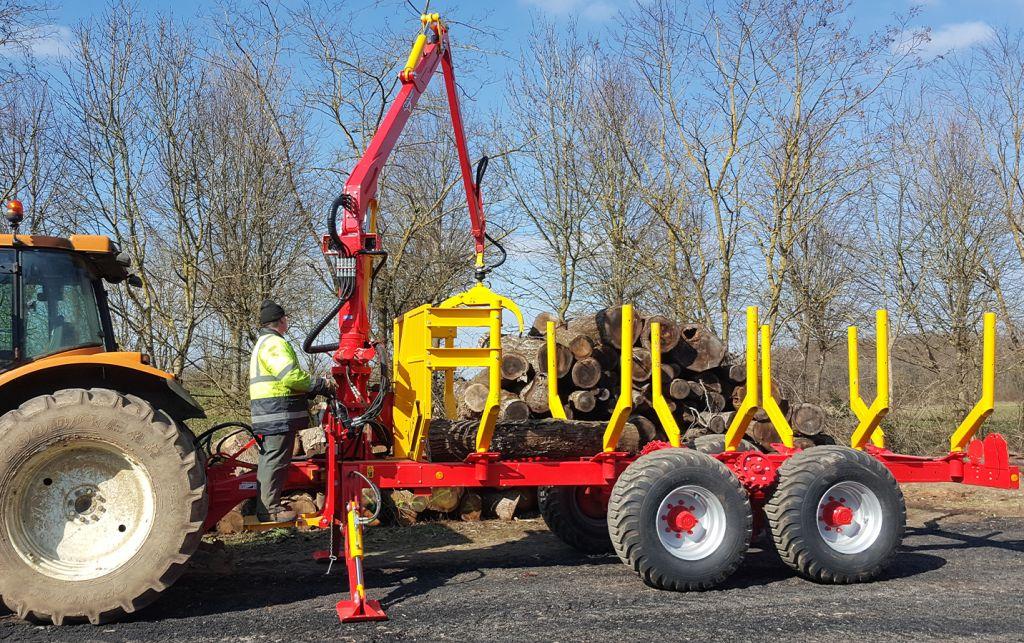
(837, 515)
(681, 519)
(102, 501)
(578, 516)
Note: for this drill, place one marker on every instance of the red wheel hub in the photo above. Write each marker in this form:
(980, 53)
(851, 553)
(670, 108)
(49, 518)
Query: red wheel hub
(593, 501)
(835, 514)
(681, 519)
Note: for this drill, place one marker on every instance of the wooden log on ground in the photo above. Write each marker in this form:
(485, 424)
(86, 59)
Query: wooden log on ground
(408, 506)
(763, 433)
(471, 506)
(586, 373)
(444, 499)
(314, 441)
(609, 326)
(669, 333)
(808, 419)
(502, 504)
(710, 382)
(737, 373)
(699, 348)
(716, 422)
(474, 397)
(452, 441)
(583, 401)
(233, 522)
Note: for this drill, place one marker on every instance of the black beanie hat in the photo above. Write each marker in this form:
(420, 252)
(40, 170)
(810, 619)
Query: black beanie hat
(270, 312)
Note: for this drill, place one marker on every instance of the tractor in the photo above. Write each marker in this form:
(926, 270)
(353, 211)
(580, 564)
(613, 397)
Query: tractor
(103, 494)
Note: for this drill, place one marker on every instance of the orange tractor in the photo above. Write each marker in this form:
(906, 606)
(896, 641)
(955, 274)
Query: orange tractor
(103, 496)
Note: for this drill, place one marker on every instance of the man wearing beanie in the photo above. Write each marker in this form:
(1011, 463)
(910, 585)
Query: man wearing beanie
(278, 390)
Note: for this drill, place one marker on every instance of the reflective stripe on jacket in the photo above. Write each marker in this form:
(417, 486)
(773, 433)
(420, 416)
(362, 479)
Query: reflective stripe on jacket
(277, 386)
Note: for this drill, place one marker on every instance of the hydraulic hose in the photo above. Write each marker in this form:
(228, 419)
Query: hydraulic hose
(307, 344)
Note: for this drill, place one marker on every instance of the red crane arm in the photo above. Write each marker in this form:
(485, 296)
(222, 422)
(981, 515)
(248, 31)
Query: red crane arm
(359, 244)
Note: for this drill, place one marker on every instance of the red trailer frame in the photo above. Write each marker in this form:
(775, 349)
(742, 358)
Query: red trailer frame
(349, 465)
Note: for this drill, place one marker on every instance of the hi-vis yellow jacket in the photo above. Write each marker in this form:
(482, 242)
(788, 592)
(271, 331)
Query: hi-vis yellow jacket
(278, 387)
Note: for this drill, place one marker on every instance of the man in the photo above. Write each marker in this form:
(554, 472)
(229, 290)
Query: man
(278, 390)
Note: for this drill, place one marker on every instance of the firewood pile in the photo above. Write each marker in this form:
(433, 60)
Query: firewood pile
(703, 382)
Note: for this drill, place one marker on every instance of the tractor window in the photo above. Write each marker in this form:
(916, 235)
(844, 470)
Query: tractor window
(59, 304)
(6, 308)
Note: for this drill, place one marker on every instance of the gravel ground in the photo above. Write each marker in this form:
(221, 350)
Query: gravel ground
(957, 575)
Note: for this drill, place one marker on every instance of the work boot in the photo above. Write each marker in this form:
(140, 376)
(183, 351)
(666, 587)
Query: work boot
(277, 514)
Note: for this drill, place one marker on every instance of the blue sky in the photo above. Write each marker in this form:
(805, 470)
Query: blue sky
(955, 24)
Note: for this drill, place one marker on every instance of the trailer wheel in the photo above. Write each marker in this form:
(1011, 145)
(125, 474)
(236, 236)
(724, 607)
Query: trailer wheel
(578, 516)
(102, 501)
(680, 519)
(712, 444)
(837, 515)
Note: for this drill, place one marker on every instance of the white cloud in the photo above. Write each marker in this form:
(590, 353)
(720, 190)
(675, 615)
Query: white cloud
(955, 36)
(596, 10)
(48, 41)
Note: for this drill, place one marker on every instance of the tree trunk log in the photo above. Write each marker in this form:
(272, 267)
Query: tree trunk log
(586, 373)
(699, 349)
(669, 333)
(563, 359)
(535, 394)
(609, 327)
(471, 506)
(547, 438)
(513, 408)
(808, 419)
(583, 401)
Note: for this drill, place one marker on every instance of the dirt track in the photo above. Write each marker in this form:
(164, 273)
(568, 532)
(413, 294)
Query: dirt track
(959, 574)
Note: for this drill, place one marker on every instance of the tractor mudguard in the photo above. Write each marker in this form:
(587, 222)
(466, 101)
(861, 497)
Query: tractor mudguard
(125, 372)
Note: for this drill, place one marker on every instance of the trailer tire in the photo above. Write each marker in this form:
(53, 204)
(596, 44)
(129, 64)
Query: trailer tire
(647, 525)
(837, 515)
(102, 502)
(713, 444)
(578, 522)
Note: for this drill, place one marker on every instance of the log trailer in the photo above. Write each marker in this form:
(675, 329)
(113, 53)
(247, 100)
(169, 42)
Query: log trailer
(682, 518)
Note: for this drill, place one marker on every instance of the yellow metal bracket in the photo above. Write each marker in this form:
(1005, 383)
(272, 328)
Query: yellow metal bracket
(869, 418)
(963, 434)
(668, 423)
(752, 396)
(624, 405)
(481, 295)
(554, 402)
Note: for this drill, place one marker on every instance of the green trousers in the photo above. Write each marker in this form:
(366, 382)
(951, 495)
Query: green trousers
(272, 469)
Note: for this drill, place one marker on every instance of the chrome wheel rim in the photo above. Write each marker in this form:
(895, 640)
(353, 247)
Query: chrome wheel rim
(849, 517)
(79, 510)
(691, 522)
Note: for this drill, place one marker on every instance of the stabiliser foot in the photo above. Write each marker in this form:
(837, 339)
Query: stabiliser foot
(360, 610)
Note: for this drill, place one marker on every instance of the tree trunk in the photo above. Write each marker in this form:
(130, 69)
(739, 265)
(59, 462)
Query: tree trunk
(669, 333)
(586, 373)
(547, 438)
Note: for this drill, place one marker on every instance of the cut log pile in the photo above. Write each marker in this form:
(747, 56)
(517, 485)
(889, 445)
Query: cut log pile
(703, 384)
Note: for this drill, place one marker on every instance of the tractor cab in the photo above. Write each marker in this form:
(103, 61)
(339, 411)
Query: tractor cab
(52, 298)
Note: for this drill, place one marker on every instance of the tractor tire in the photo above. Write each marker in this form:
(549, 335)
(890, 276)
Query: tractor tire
(837, 515)
(102, 502)
(577, 517)
(712, 444)
(680, 519)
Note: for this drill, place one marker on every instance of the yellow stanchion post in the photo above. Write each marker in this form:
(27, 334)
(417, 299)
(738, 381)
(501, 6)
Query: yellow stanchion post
(751, 398)
(490, 414)
(869, 418)
(624, 405)
(768, 403)
(668, 423)
(554, 402)
(965, 432)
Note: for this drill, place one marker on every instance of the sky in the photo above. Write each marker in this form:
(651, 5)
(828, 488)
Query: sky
(954, 24)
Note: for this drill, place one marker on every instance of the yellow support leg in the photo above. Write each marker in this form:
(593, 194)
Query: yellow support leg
(768, 403)
(751, 398)
(965, 432)
(554, 402)
(624, 406)
(668, 423)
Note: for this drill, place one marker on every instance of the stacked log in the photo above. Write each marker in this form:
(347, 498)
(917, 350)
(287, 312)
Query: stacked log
(703, 385)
